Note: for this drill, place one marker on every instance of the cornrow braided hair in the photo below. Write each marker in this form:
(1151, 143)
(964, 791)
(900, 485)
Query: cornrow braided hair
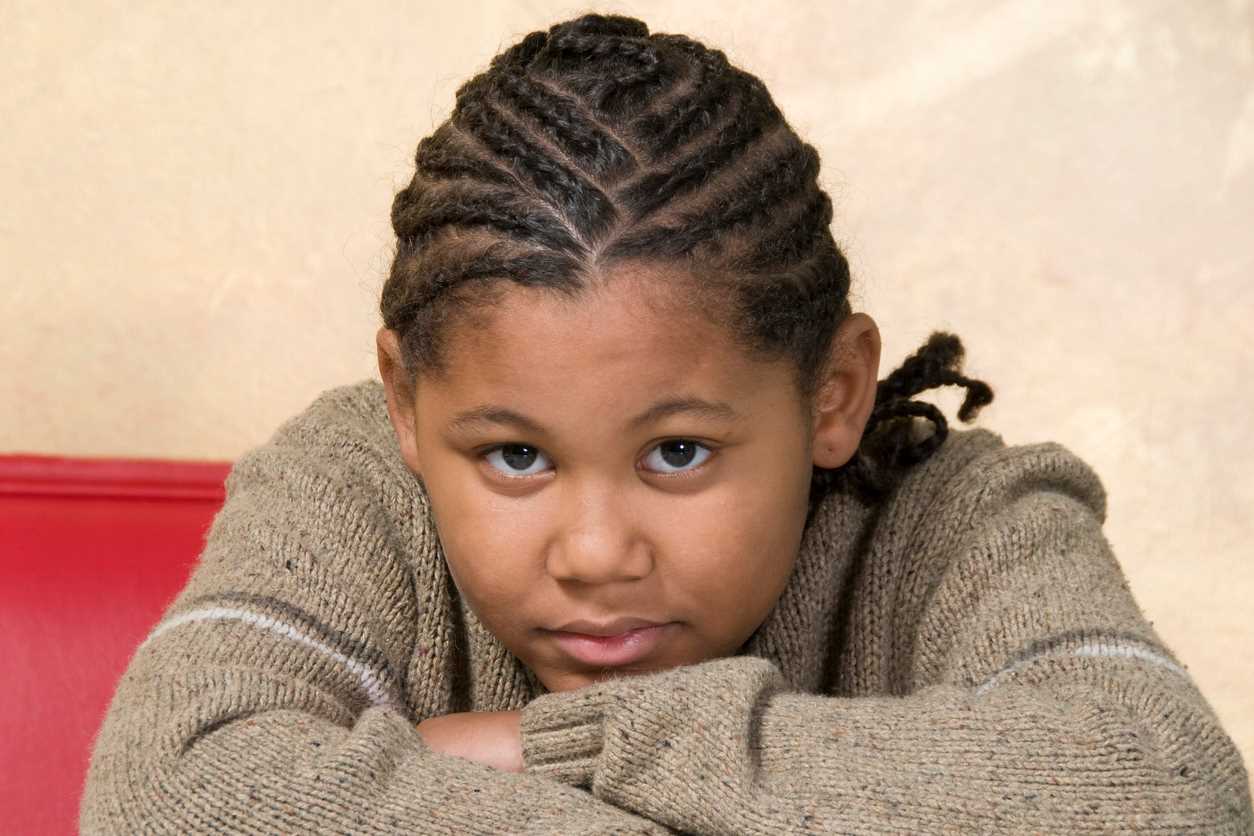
(597, 142)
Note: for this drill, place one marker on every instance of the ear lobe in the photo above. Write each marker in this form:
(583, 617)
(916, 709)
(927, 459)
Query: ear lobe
(400, 397)
(845, 400)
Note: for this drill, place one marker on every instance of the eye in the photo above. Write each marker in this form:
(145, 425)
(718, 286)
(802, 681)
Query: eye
(676, 455)
(517, 460)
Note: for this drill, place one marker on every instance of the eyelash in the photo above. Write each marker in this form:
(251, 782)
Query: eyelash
(483, 455)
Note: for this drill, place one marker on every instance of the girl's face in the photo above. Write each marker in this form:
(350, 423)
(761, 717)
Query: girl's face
(607, 458)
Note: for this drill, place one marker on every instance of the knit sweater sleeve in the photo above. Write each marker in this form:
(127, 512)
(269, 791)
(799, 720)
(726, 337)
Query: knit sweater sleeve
(1039, 697)
(270, 698)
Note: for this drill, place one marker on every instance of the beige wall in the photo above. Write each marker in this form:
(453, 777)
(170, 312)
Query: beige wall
(194, 228)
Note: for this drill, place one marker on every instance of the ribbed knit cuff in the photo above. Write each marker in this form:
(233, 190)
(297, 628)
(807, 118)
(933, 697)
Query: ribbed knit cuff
(562, 733)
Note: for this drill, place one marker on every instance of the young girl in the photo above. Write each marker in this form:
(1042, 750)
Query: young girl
(630, 539)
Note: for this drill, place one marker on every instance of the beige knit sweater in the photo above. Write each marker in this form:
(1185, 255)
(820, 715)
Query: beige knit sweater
(964, 658)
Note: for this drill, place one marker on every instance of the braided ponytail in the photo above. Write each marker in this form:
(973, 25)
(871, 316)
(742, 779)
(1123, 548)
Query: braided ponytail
(889, 443)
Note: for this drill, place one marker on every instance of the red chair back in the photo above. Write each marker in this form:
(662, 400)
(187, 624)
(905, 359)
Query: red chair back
(91, 554)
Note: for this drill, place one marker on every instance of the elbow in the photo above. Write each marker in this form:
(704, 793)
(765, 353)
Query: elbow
(119, 793)
(138, 781)
(1206, 774)
(1192, 772)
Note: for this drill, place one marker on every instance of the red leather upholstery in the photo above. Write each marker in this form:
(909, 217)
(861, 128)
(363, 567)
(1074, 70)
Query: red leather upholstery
(91, 553)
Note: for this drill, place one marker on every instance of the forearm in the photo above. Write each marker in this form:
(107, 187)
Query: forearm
(722, 748)
(197, 754)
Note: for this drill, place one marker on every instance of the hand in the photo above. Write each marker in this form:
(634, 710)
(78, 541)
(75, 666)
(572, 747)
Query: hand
(488, 737)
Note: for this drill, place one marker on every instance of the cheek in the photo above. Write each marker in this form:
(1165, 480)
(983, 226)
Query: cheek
(490, 571)
(486, 553)
(735, 566)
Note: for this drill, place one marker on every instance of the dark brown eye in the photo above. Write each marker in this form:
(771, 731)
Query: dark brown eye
(516, 459)
(677, 456)
(678, 453)
(518, 456)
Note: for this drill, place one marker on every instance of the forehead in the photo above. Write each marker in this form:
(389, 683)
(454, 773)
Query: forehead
(630, 334)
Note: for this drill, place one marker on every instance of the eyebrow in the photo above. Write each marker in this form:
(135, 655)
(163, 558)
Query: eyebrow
(491, 414)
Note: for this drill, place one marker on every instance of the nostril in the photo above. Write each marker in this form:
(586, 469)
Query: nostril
(588, 564)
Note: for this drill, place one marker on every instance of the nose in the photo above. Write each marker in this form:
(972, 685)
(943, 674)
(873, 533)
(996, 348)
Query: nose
(598, 542)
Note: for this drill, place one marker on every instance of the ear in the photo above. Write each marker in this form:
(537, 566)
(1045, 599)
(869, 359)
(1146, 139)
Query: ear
(846, 396)
(400, 396)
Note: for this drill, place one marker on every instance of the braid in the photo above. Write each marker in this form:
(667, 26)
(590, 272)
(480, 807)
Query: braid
(662, 132)
(779, 178)
(733, 139)
(935, 364)
(417, 216)
(442, 156)
(522, 53)
(595, 24)
(562, 123)
(630, 68)
(888, 442)
(567, 192)
(796, 239)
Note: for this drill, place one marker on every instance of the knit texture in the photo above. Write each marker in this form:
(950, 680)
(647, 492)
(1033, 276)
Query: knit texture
(966, 657)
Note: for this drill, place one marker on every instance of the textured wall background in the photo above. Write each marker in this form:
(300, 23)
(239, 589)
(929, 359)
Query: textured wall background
(194, 228)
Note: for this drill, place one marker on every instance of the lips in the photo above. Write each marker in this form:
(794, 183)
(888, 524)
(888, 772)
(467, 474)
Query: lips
(609, 628)
(623, 648)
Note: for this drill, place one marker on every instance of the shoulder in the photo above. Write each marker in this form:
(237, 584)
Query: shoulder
(341, 445)
(352, 413)
(976, 471)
